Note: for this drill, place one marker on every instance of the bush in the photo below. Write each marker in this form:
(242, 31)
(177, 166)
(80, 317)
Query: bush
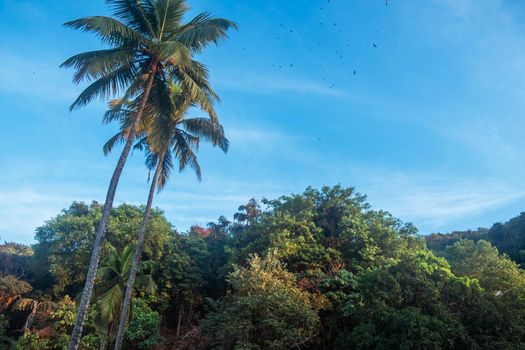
(265, 310)
(31, 342)
(143, 330)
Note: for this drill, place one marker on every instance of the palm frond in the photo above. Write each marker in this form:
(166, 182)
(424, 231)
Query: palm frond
(146, 283)
(119, 137)
(204, 30)
(183, 149)
(173, 52)
(170, 13)
(138, 14)
(108, 30)
(107, 273)
(199, 73)
(152, 159)
(105, 86)
(117, 114)
(126, 258)
(142, 144)
(165, 171)
(108, 304)
(146, 267)
(196, 93)
(96, 64)
(160, 100)
(207, 130)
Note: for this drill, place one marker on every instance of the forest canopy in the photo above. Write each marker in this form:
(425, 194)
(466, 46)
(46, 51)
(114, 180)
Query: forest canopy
(317, 270)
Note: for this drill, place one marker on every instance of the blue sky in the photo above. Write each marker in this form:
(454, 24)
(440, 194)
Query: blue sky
(430, 127)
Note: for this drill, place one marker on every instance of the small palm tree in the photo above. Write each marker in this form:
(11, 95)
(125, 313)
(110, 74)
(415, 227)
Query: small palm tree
(147, 38)
(112, 280)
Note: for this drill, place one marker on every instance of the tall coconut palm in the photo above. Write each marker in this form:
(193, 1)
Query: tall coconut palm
(172, 135)
(146, 38)
(111, 283)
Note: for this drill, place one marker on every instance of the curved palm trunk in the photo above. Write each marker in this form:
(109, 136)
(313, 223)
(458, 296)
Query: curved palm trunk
(136, 259)
(101, 230)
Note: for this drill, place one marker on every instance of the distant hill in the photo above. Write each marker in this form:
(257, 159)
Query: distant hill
(508, 237)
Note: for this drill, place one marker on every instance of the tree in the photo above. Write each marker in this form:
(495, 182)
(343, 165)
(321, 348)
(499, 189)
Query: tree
(175, 136)
(407, 305)
(112, 280)
(147, 38)
(186, 280)
(509, 237)
(5, 341)
(498, 317)
(11, 289)
(143, 330)
(437, 242)
(64, 242)
(334, 274)
(481, 260)
(324, 230)
(265, 310)
(47, 325)
(15, 259)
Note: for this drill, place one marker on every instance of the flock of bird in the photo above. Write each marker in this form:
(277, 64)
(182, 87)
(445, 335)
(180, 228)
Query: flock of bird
(318, 43)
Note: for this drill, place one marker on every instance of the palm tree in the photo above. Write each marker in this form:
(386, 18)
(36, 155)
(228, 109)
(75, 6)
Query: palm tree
(172, 135)
(112, 280)
(147, 38)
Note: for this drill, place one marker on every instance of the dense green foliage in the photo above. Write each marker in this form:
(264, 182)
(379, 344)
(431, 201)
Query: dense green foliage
(64, 242)
(265, 310)
(319, 270)
(508, 238)
(143, 330)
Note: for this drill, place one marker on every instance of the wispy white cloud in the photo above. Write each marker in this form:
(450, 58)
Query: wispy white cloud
(488, 40)
(498, 142)
(433, 201)
(271, 83)
(24, 209)
(262, 139)
(485, 41)
(460, 8)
